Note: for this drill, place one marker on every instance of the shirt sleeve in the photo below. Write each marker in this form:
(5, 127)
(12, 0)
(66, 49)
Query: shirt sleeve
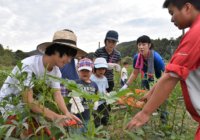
(96, 54)
(96, 87)
(134, 60)
(56, 84)
(185, 59)
(119, 59)
(159, 65)
(28, 73)
(107, 86)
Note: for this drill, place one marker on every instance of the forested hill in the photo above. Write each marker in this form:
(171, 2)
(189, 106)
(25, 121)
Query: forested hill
(10, 58)
(164, 46)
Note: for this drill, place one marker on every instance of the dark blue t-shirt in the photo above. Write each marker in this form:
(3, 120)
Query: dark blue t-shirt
(159, 65)
(90, 88)
(69, 71)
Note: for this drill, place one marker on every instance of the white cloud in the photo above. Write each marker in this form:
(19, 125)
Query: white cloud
(25, 24)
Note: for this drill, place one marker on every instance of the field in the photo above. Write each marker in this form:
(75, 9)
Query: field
(180, 126)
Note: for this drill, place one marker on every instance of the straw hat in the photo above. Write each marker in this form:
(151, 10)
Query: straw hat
(64, 37)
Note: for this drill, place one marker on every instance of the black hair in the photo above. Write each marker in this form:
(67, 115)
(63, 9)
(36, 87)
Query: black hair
(144, 39)
(95, 69)
(180, 3)
(108, 39)
(61, 49)
(125, 63)
(90, 56)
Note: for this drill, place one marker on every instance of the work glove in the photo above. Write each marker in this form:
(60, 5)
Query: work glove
(96, 105)
(124, 87)
(114, 66)
(76, 102)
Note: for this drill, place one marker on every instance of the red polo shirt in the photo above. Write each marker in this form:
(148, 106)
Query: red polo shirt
(186, 64)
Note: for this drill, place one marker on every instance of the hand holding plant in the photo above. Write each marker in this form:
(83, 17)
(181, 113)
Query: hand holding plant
(138, 120)
(73, 117)
(65, 121)
(146, 97)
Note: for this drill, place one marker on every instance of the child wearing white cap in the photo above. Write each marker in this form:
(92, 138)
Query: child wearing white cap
(100, 67)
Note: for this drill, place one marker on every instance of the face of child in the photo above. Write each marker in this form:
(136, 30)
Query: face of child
(100, 72)
(143, 48)
(61, 61)
(126, 65)
(180, 17)
(85, 75)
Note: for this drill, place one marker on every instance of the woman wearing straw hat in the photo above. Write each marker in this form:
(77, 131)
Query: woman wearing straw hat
(55, 55)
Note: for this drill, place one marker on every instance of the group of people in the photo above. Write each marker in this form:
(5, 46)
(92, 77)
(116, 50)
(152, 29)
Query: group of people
(97, 77)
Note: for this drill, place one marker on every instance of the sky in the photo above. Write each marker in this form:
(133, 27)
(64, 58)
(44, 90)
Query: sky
(26, 23)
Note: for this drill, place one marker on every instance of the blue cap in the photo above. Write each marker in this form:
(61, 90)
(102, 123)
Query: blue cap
(112, 35)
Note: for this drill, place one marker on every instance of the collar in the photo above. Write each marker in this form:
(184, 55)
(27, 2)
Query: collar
(196, 21)
(107, 52)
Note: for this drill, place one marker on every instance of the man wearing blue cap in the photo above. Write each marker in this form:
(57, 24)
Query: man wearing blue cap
(112, 57)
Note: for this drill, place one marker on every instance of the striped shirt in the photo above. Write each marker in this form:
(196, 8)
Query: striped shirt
(114, 57)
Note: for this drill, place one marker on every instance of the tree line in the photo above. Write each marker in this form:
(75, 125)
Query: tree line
(163, 46)
(10, 58)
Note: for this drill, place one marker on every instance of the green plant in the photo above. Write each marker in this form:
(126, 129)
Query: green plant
(179, 126)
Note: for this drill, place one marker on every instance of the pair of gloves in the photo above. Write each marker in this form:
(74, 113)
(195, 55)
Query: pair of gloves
(114, 66)
(77, 107)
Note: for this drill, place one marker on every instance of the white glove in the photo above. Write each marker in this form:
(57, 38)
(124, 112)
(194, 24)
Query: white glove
(124, 87)
(96, 105)
(114, 66)
(76, 102)
(117, 67)
(111, 66)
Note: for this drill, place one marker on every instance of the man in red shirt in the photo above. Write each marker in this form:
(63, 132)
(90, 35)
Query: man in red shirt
(184, 65)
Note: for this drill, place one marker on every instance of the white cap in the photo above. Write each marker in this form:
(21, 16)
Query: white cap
(100, 63)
